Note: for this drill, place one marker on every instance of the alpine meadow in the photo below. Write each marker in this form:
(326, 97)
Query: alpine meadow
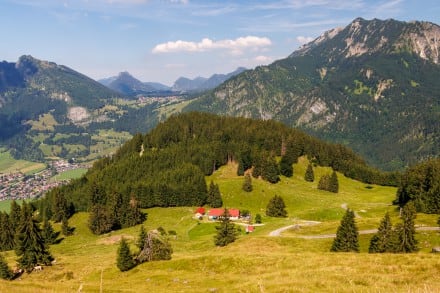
(319, 172)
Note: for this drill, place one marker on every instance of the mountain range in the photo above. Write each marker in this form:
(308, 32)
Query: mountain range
(372, 85)
(128, 85)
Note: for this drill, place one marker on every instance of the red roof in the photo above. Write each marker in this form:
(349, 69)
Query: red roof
(200, 210)
(220, 212)
(250, 228)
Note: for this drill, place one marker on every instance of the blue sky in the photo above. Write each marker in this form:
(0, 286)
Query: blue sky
(161, 40)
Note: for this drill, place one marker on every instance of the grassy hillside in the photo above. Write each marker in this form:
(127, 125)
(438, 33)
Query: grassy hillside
(10, 165)
(256, 262)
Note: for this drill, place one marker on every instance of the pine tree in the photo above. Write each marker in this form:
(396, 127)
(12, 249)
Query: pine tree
(324, 182)
(382, 241)
(214, 199)
(99, 220)
(270, 170)
(276, 207)
(48, 233)
(125, 260)
(65, 229)
(286, 168)
(257, 219)
(141, 239)
(309, 176)
(226, 231)
(60, 207)
(14, 215)
(347, 236)
(247, 184)
(6, 233)
(333, 183)
(30, 246)
(5, 271)
(406, 232)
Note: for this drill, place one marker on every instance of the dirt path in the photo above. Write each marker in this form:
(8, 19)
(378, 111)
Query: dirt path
(345, 207)
(278, 232)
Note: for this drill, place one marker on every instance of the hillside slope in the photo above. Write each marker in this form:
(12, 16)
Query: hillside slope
(372, 86)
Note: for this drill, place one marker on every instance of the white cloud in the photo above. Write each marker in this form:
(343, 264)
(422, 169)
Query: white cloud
(263, 59)
(234, 46)
(304, 40)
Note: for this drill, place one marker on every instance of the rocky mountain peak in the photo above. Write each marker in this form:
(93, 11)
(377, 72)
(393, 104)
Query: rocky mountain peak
(362, 37)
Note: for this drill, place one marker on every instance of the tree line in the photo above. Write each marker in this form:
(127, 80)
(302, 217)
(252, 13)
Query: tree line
(168, 165)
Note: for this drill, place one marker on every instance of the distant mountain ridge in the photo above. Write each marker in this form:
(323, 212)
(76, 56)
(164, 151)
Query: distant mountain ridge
(128, 85)
(203, 83)
(372, 85)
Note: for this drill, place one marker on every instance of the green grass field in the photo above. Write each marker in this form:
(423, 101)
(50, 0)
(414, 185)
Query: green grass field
(255, 262)
(10, 165)
(70, 174)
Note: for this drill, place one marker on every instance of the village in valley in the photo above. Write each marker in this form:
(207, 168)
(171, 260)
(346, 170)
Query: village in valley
(18, 185)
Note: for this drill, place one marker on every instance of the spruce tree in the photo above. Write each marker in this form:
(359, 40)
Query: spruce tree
(155, 247)
(257, 219)
(324, 182)
(99, 220)
(65, 229)
(30, 246)
(48, 233)
(60, 208)
(14, 215)
(6, 233)
(247, 184)
(406, 232)
(286, 168)
(270, 170)
(347, 236)
(5, 271)
(309, 176)
(226, 231)
(214, 199)
(382, 241)
(333, 183)
(140, 243)
(276, 207)
(125, 260)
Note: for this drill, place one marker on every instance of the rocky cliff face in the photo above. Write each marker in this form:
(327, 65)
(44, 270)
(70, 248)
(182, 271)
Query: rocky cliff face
(372, 85)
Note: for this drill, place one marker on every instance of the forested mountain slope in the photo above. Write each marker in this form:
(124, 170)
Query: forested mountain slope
(372, 86)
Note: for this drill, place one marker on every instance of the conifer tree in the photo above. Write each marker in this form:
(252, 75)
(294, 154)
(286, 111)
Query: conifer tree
(99, 220)
(324, 182)
(5, 271)
(65, 229)
(6, 233)
(257, 219)
(226, 231)
(286, 168)
(333, 183)
(60, 207)
(406, 232)
(347, 236)
(14, 215)
(29, 243)
(270, 170)
(382, 241)
(276, 207)
(309, 176)
(48, 233)
(214, 199)
(247, 184)
(125, 260)
(141, 239)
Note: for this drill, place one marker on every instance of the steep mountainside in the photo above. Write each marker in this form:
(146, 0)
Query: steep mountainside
(372, 85)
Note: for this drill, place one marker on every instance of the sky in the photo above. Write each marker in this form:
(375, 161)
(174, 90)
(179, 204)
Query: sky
(162, 40)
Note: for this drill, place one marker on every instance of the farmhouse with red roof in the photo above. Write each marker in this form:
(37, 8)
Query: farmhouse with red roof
(214, 214)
